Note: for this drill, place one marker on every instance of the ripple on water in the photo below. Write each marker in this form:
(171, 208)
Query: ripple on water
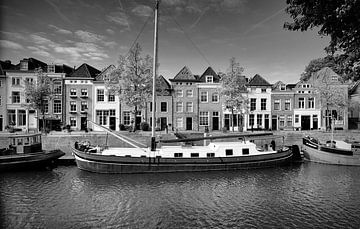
(308, 195)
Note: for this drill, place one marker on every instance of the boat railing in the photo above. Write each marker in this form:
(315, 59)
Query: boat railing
(25, 143)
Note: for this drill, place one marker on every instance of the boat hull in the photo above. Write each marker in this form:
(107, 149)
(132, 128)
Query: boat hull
(314, 154)
(31, 161)
(117, 164)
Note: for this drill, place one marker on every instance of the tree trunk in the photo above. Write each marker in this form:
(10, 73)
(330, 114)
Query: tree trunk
(232, 119)
(44, 122)
(134, 123)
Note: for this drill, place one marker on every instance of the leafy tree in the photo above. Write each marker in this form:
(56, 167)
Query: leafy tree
(233, 89)
(38, 92)
(338, 19)
(132, 80)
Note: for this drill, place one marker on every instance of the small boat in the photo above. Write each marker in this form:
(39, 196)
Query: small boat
(331, 152)
(25, 152)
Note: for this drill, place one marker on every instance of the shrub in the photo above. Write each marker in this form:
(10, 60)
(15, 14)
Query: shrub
(122, 127)
(144, 126)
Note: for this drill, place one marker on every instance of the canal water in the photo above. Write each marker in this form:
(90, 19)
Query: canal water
(306, 195)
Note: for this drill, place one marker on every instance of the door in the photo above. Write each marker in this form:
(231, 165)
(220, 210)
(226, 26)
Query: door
(1, 123)
(305, 122)
(83, 124)
(188, 123)
(215, 120)
(163, 123)
(315, 122)
(274, 123)
(112, 123)
(227, 121)
(266, 122)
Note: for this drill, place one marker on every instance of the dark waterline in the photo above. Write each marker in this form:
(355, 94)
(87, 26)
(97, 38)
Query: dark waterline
(309, 195)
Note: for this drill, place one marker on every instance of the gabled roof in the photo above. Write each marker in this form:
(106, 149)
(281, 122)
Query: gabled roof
(277, 85)
(6, 65)
(104, 72)
(85, 71)
(62, 68)
(324, 74)
(354, 87)
(209, 72)
(32, 64)
(185, 75)
(257, 80)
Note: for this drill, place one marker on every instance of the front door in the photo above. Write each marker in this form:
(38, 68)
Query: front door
(163, 123)
(266, 122)
(83, 124)
(1, 123)
(315, 122)
(215, 123)
(305, 122)
(112, 123)
(274, 123)
(188, 123)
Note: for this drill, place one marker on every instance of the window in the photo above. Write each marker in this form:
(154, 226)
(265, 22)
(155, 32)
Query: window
(282, 120)
(57, 106)
(179, 107)
(210, 155)
(263, 104)
(112, 112)
(229, 152)
(204, 96)
(15, 97)
(84, 92)
(178, 155)
(100, 95)
(311, 102)
(0, 101)
(57, 88)
(209, 79)
(301, 102)
(151, 106)
(72, 106)
(204, 118)
(111, 97)
(46, 106)
(29, 80)
(163, 106)
(289, 120)
(216, 114)
(73, 121)
(189, 107)
(287, 104)
(263, 90)
(251, 119)
(73, 92)
(252, 104)
(194, 155)
(296, 118)
(282, 87)
(189, 93)
(51, 68)
(15, 81)
(259, 119)
(245, 151)
(126, 118)
(84, 106)
(21, 117)
(11, 117)
(1, 83)
(23, 65)
(277, 104)
(179, 93)
(179, 122)
(102, 116)
(215, 97)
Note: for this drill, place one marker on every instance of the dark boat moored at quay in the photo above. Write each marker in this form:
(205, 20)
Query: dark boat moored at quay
(25, 152)
(332, 152)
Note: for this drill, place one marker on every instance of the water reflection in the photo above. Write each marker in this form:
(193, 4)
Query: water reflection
(307, 195)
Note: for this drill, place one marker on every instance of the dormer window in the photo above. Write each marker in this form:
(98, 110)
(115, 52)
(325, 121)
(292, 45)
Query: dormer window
(24, 66)
(51, 68)
(282, 87)
(334, 78)
(209, 79)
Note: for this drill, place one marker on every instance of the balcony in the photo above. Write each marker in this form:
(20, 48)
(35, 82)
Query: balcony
(73, 112)
(73, 95)
(84, 96)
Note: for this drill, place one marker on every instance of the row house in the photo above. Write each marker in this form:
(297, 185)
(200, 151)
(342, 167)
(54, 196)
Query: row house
(354, 106)
(282, 111)
(259, 96)
(79, 96)
(4, 65)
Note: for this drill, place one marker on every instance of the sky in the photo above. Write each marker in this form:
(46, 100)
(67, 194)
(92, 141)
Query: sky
(193, 33)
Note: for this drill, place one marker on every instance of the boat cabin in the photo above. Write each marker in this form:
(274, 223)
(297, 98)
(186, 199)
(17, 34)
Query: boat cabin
(24, 143)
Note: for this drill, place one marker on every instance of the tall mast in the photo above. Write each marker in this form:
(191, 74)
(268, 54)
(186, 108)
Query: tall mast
(153, 143)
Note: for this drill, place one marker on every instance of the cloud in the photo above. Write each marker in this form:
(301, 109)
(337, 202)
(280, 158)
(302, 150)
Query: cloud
(199, 18)
(60, 30)
(10, 45)
(110, 31)
(42, 40)
(142, 10)
(119, 18)
(12, 35)
(39, 51)
(88, 36)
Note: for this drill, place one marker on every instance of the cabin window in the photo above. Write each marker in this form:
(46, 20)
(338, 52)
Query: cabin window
(127, 155)
(194, 154)
(142, 156)
(210, 155)
(229, 152)
(245, 151)
(178, 154)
